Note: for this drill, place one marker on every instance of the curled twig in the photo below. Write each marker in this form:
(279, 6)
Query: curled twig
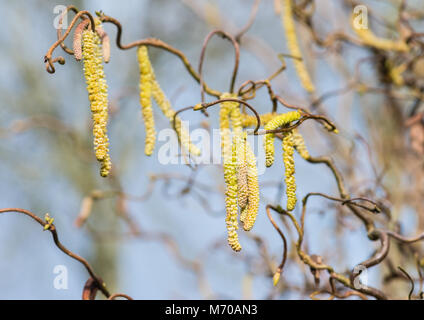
(202, 106)
(406, 274)
(202, 56)
(52, 228)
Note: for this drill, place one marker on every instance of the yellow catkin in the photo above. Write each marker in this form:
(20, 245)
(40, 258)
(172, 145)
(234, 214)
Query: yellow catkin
(97, 94)
(243, 214)
(253, 190)
(226, 113)
(249, 121)
(299, 145)
(240, 144)
(224, 131)
(145, 99)
(242, 185)
(166, 108)
(293, 46)
(276, 122)
(288, 159)
(231, 199)
(276, 277)
(371, 40)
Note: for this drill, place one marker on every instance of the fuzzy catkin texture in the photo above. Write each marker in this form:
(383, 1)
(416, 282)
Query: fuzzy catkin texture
(275, 123)
(242, 172)
(145, 99)
(253, 190)
(288, 159)
(97, 94)
(240, 145)
(224, 130)
(230, 176)
(299, 144)
(166, 108)
(249, 121)
(293, 46)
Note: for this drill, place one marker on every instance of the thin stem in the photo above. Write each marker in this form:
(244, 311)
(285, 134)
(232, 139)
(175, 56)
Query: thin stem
(210, 104)
(159, 44)
(52, 228)
(202, 57)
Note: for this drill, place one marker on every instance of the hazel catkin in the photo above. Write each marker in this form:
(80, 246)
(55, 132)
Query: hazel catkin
(225, 112)
(249, 120)
(253, 190)
(288, 159)
(299, 145)
(145, 99)
(169, 112)
(293, 46)
(231, 199)
(274, 123)
(242, 170)
(97, 94)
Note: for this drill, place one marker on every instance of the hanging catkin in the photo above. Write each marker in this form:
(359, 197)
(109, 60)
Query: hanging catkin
(231, 199)
(149, 88)
(288, 159)
(253, 190)
(276, 122)
(299, 144)
(293, 45)
(242, 170)
(229, 111)
(224, 131)
(97, 93)
(166, 108)
(145, 99)
(248, 120)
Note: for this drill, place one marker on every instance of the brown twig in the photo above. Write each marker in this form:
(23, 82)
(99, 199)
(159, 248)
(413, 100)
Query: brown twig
(52, 228)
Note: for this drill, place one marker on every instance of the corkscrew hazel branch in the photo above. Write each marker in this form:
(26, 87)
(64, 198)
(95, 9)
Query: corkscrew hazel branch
(159, 44)
(249, 23)
(120, 295)
(279, 270)
(348, 282)
(90, 289)
(305, 117)
(256, 85)
(206, 105)
(406, 274)
(59, 27)
(52, 228)
(374, 209)
(224, 35)
(48, 57)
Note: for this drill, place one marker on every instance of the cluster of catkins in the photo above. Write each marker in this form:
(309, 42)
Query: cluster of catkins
(240, 172)
(90, 46)
(149, 88)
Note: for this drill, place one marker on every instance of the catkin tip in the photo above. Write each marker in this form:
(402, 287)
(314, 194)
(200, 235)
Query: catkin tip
(288, 159)
(276, 278)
